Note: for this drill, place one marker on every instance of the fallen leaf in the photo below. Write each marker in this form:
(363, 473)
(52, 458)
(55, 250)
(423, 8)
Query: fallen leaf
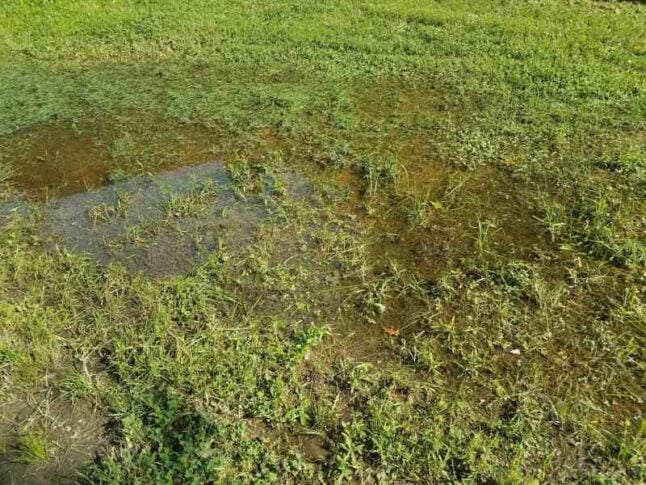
(391, 331)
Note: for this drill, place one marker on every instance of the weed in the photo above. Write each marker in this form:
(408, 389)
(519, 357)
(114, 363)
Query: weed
(137, 235)
(371, 300)
(420, 210)
(103, 212)
(193, 202)
(123, 147)
(249, 177)
(419, 352)
(32, 449)
(379, 173)
(483, 237)
(334, 156)
(117, 176)
(6, 171)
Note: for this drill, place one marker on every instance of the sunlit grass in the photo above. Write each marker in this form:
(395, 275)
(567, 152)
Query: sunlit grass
(455, 297)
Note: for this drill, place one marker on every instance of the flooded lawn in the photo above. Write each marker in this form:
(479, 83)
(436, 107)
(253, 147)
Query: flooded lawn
(409, 264)
(322, 242)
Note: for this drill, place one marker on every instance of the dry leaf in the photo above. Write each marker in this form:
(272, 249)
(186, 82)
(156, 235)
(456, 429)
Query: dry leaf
(391, 331)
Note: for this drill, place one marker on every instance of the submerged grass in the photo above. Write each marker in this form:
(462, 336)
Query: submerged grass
(458, 298)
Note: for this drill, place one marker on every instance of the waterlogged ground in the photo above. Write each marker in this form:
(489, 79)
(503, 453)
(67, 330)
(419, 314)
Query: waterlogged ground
(160, 224)
(309, 242)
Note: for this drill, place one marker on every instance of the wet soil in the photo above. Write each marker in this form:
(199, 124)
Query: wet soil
(71, 433)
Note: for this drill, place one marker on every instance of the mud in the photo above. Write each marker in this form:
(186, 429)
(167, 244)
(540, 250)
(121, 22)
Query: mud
(72, 434)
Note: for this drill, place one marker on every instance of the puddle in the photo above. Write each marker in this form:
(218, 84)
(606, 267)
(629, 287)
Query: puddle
(312, 447)
(58, 160)
(163, 224)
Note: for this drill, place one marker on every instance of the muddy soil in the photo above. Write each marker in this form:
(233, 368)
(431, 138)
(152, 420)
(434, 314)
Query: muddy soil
(71, 435)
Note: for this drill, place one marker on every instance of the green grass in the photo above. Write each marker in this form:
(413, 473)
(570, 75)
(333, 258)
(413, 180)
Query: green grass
(477, 172)
(32, 449)
(104, 212)
(191, 203)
